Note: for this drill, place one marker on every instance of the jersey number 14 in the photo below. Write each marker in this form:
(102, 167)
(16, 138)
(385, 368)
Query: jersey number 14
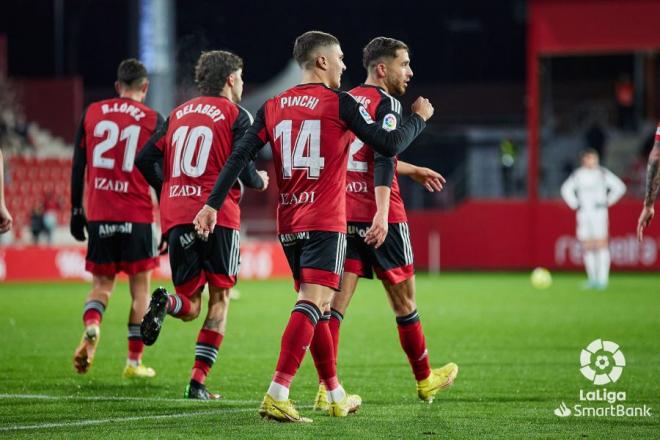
(309, 138)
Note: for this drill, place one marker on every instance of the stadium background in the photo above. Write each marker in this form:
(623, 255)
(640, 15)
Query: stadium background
(505, 78)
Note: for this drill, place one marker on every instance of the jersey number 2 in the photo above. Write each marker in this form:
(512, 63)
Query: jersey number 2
(309, 137)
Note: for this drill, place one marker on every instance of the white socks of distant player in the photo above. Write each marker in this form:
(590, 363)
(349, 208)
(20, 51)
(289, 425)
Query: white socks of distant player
(603, 264)
(591, 266)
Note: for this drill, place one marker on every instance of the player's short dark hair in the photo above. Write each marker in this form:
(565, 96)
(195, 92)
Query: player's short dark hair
(307, 43)
(131, 73)
(588, 151)
(212, 70)
(379, 48)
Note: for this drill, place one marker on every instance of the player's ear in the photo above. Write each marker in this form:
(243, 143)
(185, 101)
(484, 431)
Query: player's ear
(231, 80)
(322, 62)
(145, 87)
(381, 70)
(118, 87)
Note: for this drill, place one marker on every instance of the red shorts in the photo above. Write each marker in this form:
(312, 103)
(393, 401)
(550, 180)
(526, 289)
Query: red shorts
(315, 257)
(392, 261)
(195, 262)
(115, 247)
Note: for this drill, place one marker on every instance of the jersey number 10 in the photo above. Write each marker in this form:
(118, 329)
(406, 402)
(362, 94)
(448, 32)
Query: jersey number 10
(185, 144)
(309, 135)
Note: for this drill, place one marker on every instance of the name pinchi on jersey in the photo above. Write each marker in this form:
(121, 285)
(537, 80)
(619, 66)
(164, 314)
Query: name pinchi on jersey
(360, 196)
(195, 147)
(112, 132)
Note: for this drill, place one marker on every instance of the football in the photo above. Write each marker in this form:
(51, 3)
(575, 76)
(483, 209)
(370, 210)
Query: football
(541, 278)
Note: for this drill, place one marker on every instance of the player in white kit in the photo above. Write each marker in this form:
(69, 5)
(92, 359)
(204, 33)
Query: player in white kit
(590, 190)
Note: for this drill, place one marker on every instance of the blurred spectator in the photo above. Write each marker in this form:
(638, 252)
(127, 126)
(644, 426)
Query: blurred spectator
(508, 153)
(51, 206)
(624, 94)
(37, 224)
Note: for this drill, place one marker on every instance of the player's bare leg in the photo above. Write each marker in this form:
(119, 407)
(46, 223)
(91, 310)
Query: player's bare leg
(208, 343)
(401, 297)
(97, 301)
(139, 287)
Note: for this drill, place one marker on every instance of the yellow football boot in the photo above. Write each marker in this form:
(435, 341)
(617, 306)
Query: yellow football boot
(440, 379)
(281, 411)
(138, 371)
(321, 401)
(83, 357)
(350, 404)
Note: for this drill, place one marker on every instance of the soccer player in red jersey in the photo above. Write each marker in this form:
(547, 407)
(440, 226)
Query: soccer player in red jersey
(308, 128)
(378, 235)
(119, 209)
(652, 185)
(195, 142)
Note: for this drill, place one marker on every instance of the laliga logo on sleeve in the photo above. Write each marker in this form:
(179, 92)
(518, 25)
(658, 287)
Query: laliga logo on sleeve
(389, 122)
(602, 362)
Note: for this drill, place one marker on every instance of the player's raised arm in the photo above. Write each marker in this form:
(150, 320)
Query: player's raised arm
(78, 221)
(243, 152)
(387, 143)
(150, 159)
(652, 185)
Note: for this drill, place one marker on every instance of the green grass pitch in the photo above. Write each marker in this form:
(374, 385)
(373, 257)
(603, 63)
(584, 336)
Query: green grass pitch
(517, 348)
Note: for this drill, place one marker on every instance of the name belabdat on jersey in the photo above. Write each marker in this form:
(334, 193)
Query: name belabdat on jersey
(210, 110)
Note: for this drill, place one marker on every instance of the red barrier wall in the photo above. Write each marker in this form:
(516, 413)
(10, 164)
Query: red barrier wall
(511, 235)
(493, 235)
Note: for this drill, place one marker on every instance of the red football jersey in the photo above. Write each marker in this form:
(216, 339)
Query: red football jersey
(198, 141)
(360, 195)
(657, 133)
(113, 132)
(310, 151)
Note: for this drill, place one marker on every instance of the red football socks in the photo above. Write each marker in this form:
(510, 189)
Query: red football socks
(413, 343)
(135, 344)
(206, 353)
(296, 339)
(323, 353)
(178, 305)
(93, 312)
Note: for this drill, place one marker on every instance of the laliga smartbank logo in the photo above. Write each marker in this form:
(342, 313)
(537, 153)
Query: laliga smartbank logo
(602, 363)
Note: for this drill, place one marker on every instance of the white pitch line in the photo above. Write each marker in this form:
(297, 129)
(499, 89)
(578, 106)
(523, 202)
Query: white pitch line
(124, 419)
(114, 398)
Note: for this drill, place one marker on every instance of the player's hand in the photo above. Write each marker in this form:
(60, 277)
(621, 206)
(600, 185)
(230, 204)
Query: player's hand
(162, 246)
(644, 219)
(429, 179)
(78, 224)
(423, 108)
(377, 233)
(5, 219)
(205, 221)
(264, 178)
